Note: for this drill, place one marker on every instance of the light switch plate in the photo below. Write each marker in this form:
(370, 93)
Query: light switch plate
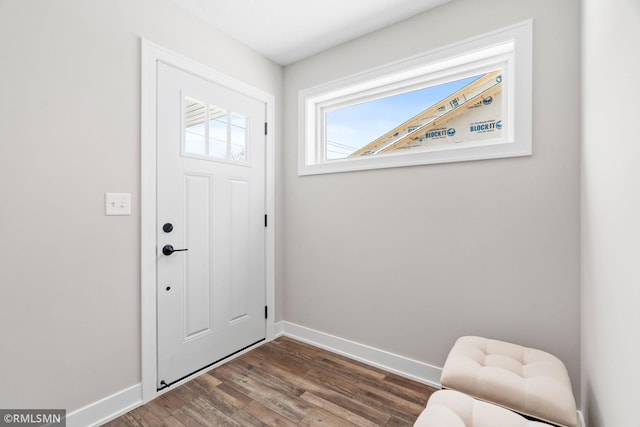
(117, 204)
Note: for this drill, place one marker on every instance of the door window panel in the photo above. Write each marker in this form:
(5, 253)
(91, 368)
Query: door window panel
(238, 137)
(194, 131)
(213, 132)
(218, 132)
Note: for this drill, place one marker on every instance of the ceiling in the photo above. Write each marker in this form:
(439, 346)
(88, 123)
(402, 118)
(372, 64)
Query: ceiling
(289, 30)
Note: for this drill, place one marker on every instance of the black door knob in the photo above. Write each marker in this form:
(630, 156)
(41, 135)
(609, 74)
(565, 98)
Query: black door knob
(168, 250)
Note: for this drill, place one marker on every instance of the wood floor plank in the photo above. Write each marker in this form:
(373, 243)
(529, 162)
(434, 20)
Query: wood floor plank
(318, 417)
(370, 396)
(338, 410)
(148, 415)
(378, 417)
(200, 412)
(236, 394)
(268, 416)
(300, 380)
(259, 372)
(314, 386)
(398, 422)
(396, 401)
(171, 422)
(245, 418)
(287, 405)
(321, 418)
(336, 361)
(220, 400)
(286, 383)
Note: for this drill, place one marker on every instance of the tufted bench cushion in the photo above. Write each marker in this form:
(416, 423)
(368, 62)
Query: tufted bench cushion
(523, 379)
(449, 408)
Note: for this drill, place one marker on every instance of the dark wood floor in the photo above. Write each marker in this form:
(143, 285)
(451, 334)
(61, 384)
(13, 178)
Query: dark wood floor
(286, 383)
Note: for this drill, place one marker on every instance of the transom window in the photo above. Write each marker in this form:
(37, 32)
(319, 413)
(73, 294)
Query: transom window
(465, 102)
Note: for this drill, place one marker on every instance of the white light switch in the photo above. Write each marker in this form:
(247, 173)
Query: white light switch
(117, 204)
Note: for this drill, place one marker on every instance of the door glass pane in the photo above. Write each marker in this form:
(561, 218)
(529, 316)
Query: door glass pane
(214, 132)
(194, 130)
(218, 134)
(238, 137)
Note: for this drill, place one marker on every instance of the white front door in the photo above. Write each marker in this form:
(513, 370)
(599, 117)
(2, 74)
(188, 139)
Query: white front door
(210, 210)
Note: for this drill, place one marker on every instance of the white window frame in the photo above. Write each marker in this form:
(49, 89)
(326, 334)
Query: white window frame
(509, 49)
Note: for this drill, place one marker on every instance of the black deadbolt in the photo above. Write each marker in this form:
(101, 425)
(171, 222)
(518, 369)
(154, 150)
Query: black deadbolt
(167, 228)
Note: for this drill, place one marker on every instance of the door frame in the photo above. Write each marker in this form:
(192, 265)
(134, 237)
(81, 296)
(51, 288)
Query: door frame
(151, 54)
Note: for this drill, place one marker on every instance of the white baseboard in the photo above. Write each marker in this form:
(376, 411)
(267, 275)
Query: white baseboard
(106, 409)
(409, 368)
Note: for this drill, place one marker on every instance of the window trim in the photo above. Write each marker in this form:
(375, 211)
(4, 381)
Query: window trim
(509, 49)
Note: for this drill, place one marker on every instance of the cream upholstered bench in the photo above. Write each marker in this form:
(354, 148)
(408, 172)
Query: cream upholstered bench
(449, 408)
(525, 380)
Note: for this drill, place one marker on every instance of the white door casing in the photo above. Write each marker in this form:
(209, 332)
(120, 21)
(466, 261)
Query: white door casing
(235, 191)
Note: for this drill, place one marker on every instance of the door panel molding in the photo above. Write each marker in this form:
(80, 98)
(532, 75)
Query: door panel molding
(151, 55)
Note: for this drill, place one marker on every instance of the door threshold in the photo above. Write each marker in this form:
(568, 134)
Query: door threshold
(211, 365)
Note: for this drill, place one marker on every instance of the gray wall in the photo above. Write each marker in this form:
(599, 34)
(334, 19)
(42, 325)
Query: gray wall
(69, 132)
(610, 213)
(409, 259)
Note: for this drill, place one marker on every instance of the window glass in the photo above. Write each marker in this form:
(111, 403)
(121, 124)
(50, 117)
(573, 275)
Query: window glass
(422, 118)
(212, 132)
(238, 137)
(194, 133)
(218, 132)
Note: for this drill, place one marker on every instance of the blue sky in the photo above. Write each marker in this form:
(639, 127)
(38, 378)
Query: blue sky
(351, 128)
